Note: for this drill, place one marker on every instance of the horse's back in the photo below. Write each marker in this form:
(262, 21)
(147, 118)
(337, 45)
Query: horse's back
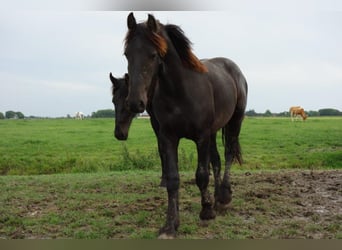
(226, 74)
(222, 68)
(229, 88)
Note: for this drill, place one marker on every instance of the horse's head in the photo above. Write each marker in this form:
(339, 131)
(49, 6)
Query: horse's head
(123, 116)
(144, 48)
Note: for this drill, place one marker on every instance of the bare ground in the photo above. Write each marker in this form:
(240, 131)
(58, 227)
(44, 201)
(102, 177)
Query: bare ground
(266, 205)
(297, 204)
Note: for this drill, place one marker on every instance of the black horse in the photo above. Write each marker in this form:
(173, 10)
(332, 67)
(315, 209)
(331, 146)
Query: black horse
(124, 117)
(190, 99)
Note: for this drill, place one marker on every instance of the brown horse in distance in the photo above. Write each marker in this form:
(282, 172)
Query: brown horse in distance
(296, 111)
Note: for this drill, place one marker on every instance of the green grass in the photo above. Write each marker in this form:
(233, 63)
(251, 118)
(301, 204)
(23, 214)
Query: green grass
(71, 179)
(131, 205)
(79, 206)
(275, 143)
(72, 146)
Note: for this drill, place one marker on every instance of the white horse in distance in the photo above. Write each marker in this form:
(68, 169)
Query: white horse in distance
(79, 115)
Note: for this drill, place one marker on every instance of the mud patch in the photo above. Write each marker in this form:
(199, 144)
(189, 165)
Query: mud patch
(265, 205)
(297, 204)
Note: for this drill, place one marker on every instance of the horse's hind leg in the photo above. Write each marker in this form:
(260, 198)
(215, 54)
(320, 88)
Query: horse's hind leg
(216, 165)
(231, 134)
(202, 178)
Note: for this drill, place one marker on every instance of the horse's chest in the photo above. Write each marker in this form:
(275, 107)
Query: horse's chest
(173, 115)
(182, 120)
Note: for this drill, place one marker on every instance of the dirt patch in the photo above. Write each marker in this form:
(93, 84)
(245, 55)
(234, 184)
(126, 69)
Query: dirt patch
(282, 204)
(297, 204)
(285, 204)
(313, 192)
(265, 205)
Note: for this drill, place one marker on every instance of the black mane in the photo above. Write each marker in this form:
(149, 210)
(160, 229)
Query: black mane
(183, 47)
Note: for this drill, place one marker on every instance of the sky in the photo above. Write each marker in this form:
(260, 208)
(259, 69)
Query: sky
(55, 58)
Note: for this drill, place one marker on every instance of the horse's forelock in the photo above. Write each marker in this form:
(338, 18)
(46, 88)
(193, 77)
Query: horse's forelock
(155, 37)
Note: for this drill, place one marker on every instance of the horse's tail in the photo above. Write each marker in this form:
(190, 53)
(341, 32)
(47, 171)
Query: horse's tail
(231, 131)
(232, 145)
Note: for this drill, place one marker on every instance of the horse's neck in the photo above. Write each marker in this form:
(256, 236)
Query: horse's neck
(171, 77)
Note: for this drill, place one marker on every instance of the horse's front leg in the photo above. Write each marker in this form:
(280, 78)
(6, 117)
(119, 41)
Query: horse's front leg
(168, 150)
(163, 177)
(215, 161)
(202, 178)
(155, 126)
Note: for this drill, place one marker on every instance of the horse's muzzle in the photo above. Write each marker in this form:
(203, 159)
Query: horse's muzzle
(121, 136)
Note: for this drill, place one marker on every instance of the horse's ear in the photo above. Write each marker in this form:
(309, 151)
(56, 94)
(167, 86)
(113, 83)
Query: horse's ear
(114, 81)
(131, 22)
(152, 23)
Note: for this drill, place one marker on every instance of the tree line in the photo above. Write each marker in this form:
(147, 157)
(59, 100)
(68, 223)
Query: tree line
(12, 115)
(110, 113)
(103, 113)
(320, 112)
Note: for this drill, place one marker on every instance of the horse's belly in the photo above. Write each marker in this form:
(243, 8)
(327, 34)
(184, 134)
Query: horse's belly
(224, 110)
(220, 121)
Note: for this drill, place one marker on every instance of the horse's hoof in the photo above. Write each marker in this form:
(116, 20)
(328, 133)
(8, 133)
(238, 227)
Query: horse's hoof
(221, 208)
(204, 223)
(224, 196)
(167, 232)
(165, 236)
(207, 214)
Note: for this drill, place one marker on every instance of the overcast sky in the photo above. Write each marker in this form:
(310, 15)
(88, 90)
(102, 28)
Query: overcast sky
(55, 61)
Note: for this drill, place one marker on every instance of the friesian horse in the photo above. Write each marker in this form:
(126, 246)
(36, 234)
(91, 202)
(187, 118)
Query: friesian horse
(123, 116)
(190, 99)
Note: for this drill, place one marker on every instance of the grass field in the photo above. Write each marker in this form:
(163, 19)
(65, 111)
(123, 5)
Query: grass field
(131, 205)
(74, 146)
(72, 179)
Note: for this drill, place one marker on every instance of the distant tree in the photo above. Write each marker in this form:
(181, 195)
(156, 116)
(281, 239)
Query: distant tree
(329, 112)
(104, 113)
(20, 115)
(2, 115)
(14, 115)
(268, 113)
(313, 113)
(10, 114)
(251, 113)
(283, 114)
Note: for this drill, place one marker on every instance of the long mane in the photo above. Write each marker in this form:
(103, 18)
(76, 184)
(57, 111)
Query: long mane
(183, 47)
(180, 42)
